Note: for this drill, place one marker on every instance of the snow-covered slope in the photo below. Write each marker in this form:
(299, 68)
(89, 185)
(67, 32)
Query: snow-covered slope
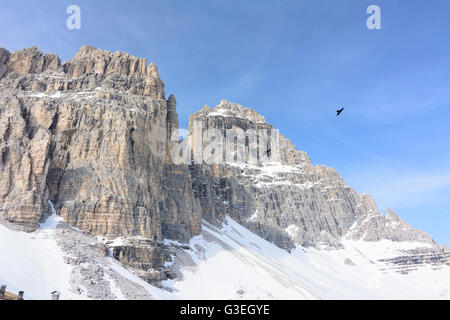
(38, 263)
(223, 263)
(233, 263)
(33, 262)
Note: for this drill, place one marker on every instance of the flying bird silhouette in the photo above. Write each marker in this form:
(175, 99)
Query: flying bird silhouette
(338, 112)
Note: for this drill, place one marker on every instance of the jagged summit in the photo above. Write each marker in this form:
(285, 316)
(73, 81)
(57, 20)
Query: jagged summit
(93, 60)
(88, 59)
(89, 69)
(230, 109)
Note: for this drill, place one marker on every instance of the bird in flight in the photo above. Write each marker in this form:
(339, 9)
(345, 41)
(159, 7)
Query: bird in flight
(338, 112)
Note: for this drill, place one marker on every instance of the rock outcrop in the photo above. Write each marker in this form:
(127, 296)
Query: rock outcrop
(413, 259)
(377, 226)
(94, 136)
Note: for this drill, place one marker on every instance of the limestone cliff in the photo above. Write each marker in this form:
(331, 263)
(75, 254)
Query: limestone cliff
(93, 137)
(90, 136)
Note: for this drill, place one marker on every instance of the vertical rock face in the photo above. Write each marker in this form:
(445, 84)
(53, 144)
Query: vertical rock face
(24, 163)
(94, 136)
(90, 135)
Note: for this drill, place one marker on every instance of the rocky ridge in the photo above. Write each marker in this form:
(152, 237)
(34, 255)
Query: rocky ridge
(92, 136)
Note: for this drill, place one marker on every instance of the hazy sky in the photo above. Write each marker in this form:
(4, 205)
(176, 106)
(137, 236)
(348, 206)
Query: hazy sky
(295, 62)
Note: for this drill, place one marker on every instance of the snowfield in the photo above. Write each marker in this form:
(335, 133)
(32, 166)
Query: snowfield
(36, 264)
(234, 263)
(33, 262)
(226, 263)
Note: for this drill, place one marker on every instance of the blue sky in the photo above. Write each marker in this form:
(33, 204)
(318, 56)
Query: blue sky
(294, 62)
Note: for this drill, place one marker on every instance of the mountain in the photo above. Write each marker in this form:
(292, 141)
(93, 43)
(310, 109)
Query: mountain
(90, 145)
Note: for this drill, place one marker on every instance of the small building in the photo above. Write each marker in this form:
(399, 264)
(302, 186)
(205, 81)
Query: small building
(2, 290)
(56, 295)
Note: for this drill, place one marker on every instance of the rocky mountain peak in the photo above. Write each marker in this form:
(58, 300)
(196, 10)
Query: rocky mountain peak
(92, 60)
(230, 109)
(88, 70)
